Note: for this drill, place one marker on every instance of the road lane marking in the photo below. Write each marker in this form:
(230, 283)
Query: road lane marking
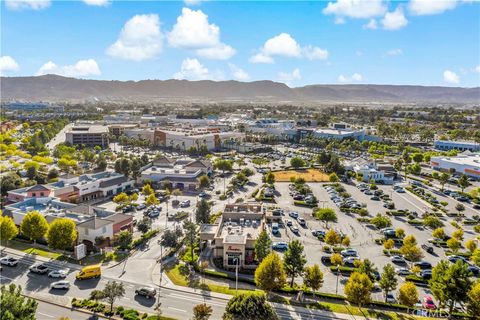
(47, 315)
(176, 309)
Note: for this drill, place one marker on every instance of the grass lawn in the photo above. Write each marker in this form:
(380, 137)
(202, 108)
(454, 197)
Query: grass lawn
(30, 249)
(310, 175)
(178, 274)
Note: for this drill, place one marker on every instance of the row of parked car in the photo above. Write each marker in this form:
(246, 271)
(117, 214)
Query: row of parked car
(339, 200)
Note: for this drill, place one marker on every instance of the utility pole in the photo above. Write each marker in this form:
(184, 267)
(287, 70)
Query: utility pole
(160, 284)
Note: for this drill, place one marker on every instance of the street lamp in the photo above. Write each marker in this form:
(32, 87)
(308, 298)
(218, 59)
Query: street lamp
(338, 272)
(237, 261)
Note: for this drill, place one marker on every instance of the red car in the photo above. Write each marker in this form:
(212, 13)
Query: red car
(428, 303)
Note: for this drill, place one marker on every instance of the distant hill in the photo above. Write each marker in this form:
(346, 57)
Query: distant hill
(57, 88)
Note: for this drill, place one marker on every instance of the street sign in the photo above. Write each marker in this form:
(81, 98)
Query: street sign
(80, 251)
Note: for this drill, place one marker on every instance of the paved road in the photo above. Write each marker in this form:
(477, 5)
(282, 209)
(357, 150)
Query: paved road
(47, 311)
(59, 138)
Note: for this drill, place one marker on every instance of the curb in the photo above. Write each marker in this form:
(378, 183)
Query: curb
(71, 308)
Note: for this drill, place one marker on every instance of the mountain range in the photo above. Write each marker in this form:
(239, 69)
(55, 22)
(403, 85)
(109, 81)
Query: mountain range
(58, 88)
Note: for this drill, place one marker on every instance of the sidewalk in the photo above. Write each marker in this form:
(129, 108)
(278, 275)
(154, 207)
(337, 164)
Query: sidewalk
(37, 258)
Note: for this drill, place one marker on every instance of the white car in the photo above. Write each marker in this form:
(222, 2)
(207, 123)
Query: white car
(58, 273)
(63, 284)
(398, 259)
(9, 261)
(349, 253)
(402, 271)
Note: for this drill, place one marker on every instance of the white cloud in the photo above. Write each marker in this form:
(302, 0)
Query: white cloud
(238, 73)
(260, 58)
(288, 77)
(394, 20)
(99, 3)
(7, 63)
(220, 52)
(356, 77)
(140, 39)
(284, 45)
(193, 31)
(477, 69)
(395, 52)
(430, 7)
(192, 69)
(359, 9)
(314, 53)
(450, 77)
(372, 25)
(27, 4)
(80, 68)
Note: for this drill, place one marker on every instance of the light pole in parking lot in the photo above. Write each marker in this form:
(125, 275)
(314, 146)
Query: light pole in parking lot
(237, 260)
(338, 273)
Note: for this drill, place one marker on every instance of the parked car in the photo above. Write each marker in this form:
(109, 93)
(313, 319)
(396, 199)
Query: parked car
(62, 273)
(302, 221)
(326, 259)
(295, 229)
(349, 253)
(153, 214)
(288, 222)
(390, 298)
(317, 233)
(350, 261)
(185, 203)
(402, 271)
(280, 246)
(39, 268)
(141, 206)
(474, 270)
(62, 284)
(454, 259)
(427, 248)
(147, 292)
(426, 274)
(293, 214)
(424, 265)
(398, 259)
(9, 261)
(375, 198)
(428, 303)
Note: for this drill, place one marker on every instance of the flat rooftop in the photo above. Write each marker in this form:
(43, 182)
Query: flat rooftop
(88, 129)
(468, 160)
(337, 131)
(238, 231)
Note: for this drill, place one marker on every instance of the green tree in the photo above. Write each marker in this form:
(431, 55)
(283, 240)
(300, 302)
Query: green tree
(121, 198)
(443, 179)
(270, 274)
(190, 237)
(473, 304)
(10, 181)
(326, 215)
(248, 306)
(381, 221)
(297, 162)
(332, 238)
(263, 246)
(151, 200)
(368, 267)
(471, 245)
(438, 233)
(388, 280)
(34, 226)
(358, 288)
(203, 182)
(410, 250)
(336, 259)
(202, 312)
(476, 257)
(145, 224)
(8, 229)
(61, 234)
(112, 291)
(16, 306)
(432, 222)
(294, 260)
(408, 294)
(463, 182)
(147, 190)
(417, 157)
(333, 177)
(202, 214)
(313, 277)
(450, 282)
(270, 178)
(123, 239)
(453, 244)
(32, 173)
(460, 208)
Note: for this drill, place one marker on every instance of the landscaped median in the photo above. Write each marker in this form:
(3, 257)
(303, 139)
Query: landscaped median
(117, 312)
(180, 275)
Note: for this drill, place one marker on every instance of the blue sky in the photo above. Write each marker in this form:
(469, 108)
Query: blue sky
(417, 42)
